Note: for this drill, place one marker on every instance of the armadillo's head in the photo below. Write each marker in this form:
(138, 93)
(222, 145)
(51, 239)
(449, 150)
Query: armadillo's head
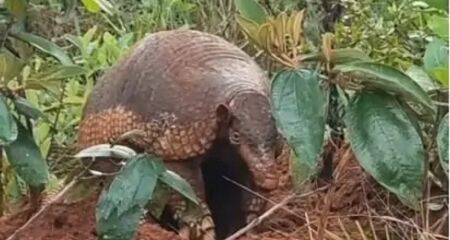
(251, 129)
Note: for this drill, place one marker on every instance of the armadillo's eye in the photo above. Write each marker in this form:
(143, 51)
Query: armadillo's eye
(234, 137)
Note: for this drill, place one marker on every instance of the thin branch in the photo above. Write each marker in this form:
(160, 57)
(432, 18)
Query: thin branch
(269, 212)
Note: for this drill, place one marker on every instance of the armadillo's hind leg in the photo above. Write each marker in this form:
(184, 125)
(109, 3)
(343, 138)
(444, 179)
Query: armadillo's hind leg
(194, 222)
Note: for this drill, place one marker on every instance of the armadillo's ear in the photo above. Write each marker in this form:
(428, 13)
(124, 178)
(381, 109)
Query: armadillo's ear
(223, 114)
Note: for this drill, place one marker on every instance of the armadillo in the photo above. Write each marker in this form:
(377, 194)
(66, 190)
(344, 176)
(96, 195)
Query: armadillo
(183, 89)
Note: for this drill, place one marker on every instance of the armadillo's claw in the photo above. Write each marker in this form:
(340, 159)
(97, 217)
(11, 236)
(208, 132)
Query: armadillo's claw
(202, 229)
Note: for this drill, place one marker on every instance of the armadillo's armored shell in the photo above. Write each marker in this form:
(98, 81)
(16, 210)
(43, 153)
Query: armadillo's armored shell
(169, 86)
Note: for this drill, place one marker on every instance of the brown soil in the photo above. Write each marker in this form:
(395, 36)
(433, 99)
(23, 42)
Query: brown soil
(353, 206)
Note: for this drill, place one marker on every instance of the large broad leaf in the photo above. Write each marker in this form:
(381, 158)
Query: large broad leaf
(45, 46)
(120, 207)
(252, 10)
(26, 158)
(299, 110)
(387, 78)
(442, 143)
(435, 60)
(8, 127)
(180, 185)
(386, 144)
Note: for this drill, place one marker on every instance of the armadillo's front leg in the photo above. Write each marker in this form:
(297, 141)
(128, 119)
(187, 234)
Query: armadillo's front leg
(253, 206)
(195, 222)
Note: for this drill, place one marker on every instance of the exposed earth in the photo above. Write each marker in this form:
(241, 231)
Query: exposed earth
(354, 206)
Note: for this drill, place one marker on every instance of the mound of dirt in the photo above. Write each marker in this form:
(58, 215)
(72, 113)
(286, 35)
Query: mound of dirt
(68, 222)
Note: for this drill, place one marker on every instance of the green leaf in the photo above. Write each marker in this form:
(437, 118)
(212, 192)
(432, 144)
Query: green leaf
(180, 185)
(26, 108)
(95, 6)
(8, 127)
(380, 76)
(105, 150)
(10, 65)
(120, 207)
(60, 72)
(442, 143)
(338, 56)
(386, 144)
(441, 75)
(45, 46)
(417, 74)
(439, 25)
(252, 10)
(299, 109)
(436, 55)
(17, 8)
(439, 4)
(26, 158)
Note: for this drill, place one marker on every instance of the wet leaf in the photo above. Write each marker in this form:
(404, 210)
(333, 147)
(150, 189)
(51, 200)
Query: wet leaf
(180, 185)
(24, 107)
(252, 10)
(8, 127)
(380, 76)
(299, 109)
(45, 46)
(121, 205)
(442, 143)
(26, 158)
(386, 144)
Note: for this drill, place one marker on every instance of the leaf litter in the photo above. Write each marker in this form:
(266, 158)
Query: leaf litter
(353, 206)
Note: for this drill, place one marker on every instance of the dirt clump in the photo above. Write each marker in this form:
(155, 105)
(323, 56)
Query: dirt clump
(69, 221)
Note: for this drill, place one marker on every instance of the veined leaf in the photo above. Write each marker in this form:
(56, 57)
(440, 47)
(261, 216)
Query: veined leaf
(45, 46)
(8, 127)
(390, 79)
(26, 158)
(120, 207)
(442, 143)
(299, 109)
(386, 144)
(252, 10)
(439, 4)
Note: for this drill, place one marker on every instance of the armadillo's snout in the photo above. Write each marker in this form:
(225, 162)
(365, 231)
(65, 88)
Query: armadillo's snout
(262, 166)
(265, 177)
